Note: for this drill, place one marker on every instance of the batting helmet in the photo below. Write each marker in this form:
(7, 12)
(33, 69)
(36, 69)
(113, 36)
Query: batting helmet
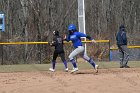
(72, 27)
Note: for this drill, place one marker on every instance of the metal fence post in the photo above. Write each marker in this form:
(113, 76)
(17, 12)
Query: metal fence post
(109, 51)
(2, 55)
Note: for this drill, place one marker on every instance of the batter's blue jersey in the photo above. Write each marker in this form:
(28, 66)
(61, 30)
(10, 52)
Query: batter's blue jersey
(76, 38)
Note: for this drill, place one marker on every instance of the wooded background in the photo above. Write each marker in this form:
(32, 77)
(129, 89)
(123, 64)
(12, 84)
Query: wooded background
(34, 20)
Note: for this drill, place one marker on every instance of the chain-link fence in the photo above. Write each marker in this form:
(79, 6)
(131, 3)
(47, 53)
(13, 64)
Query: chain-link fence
(42, 53)
(134, 54)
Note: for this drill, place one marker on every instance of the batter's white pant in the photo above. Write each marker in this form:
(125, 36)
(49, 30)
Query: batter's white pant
(79, 50)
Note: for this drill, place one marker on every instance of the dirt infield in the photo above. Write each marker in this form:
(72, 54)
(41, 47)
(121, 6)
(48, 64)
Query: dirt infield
(114, 80)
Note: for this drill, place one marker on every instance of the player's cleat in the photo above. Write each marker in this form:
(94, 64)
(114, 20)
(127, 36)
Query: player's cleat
(51, 69)
(96, 68)
(74, 70)
(121, 66)
(66, 70)
(126, 66)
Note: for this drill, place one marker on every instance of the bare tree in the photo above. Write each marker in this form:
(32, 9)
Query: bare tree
(34, 20)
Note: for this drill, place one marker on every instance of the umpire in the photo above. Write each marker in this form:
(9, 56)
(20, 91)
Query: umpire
(58, 44)
(122, 46)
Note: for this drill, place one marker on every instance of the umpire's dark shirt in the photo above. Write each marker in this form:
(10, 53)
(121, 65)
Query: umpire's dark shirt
(58, 43)
(121, 38)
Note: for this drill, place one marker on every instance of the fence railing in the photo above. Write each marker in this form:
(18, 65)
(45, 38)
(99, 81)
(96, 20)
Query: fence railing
(17, 43)
(127, 46)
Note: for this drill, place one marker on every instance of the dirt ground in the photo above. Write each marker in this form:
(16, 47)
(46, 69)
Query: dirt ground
(114, 80)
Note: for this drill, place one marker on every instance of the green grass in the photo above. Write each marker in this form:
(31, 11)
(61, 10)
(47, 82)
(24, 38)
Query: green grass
(60, 66)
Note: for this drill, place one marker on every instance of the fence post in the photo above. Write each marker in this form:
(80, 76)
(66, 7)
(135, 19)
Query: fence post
(109, 51)
(2, 29)
(2, 54)
(1, 47)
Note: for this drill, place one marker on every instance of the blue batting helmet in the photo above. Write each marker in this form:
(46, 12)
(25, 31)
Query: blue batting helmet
(72, 27)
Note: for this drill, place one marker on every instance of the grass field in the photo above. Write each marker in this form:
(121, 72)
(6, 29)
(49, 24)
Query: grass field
(59, 66)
